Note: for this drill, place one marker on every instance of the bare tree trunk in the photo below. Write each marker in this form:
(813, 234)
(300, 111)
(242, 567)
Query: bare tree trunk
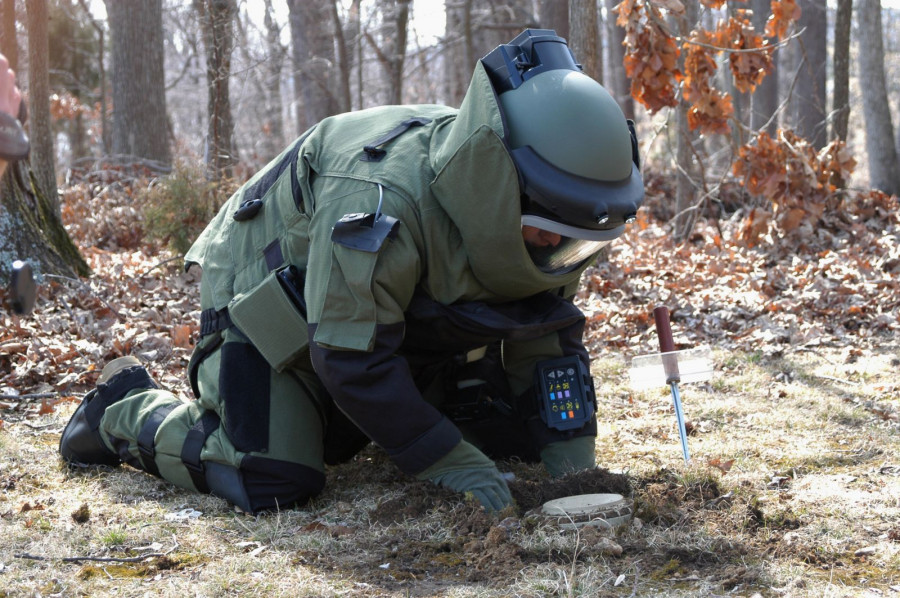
(266, 79)
(474, 28)
(840, 107)
(43, 156)
(809, 100)
(583, 35)
(140, 124)
(216, 24)
(617, 81)
(554, 14)
(764, 102)
(78, 137)
(354, 32)
(30, 224)
(459, 40)
(273, 119)
(344, 59)
(101, 67)
(356, 21)
(884, 168)
(31, 229)
(313, 58)
(740, 100)
(10, 45)
(685, 191)
(392, 56)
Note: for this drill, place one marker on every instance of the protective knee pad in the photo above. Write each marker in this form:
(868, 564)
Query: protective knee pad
(263, 484)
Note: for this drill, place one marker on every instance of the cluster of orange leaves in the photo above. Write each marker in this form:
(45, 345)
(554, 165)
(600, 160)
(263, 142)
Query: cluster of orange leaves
(65, 106)
(652, 54)
(798, 181)
(784, 12)
(710, 109)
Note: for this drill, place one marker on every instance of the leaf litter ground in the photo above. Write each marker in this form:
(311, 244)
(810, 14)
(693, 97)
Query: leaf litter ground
(791, 490)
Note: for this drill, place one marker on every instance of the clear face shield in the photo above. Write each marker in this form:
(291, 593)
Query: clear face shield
(557, 248)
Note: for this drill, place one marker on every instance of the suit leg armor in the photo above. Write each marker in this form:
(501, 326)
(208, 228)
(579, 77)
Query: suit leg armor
(253, 436)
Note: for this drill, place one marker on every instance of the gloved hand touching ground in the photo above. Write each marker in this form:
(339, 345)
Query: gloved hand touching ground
(467, 469)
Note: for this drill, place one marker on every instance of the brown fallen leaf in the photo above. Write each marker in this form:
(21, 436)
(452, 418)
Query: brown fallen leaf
(723, 466)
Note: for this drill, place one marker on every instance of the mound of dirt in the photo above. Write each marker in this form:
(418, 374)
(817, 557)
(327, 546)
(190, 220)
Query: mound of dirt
(530, 494)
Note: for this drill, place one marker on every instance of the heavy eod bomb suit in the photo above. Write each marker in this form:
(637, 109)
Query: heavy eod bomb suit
(372, 283)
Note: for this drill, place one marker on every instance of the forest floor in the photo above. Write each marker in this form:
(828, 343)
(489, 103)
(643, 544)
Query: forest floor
(793, 488)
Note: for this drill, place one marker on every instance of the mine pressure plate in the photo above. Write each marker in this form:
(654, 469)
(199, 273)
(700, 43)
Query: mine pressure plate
(598, 510)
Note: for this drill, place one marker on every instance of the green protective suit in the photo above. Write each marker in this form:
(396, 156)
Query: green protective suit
(424, 316)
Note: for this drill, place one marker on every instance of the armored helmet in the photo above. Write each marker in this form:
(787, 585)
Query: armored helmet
(575, 152)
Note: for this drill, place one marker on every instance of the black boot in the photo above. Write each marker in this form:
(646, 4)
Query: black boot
(81, 441)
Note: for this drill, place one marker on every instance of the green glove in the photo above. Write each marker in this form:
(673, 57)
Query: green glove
(567, 456)
(466, 469)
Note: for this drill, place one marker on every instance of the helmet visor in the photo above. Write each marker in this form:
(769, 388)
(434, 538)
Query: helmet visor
(557, 248)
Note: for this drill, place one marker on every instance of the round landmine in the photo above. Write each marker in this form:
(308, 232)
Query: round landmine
(599, 510)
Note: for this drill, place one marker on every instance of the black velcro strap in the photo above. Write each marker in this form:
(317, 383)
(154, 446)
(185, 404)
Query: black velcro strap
(372, 152)
(635, 150)
(213, 321)
(146, 439)
(193, 446)
(254, 193)
(273, 254)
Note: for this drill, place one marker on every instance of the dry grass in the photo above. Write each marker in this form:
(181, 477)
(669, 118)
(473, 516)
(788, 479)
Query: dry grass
(792, 491)
(809, 507)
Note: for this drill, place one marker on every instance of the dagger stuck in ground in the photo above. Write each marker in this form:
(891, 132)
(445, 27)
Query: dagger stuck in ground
(671, 367)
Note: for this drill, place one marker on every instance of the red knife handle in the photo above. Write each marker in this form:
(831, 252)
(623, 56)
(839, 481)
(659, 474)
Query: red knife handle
(666, 342)
(663, 329)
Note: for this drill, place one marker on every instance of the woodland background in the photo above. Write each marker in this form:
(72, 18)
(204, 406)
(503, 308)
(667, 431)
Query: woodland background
(725, 94)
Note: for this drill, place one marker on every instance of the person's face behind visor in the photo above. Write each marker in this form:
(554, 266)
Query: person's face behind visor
(557, 248)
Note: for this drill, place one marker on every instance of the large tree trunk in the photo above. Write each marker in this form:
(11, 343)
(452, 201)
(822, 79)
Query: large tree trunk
(685, 190)
(140, 125)
(840, 107)
(10, 45)
(344, 56)
(30, 225)
(105, 132)
(809, 104)
(31, 230)
(884, 169)
(764, 102)
(216, 24)
(474, 28)
(741, 101)
(554, 14)
(43, 156)
(313, 58)
(584, 35)
(354, 34)
(267, 114)
(393, 53)
(273, 120)
(617, 81)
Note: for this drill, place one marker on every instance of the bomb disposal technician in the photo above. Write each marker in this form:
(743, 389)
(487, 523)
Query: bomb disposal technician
(402, 275)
